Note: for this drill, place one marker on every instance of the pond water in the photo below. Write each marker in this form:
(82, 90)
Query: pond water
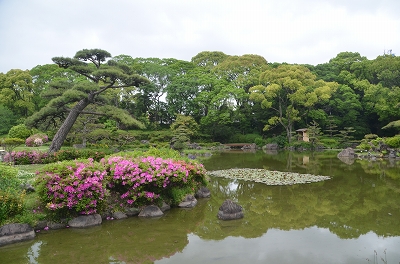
(352, 218)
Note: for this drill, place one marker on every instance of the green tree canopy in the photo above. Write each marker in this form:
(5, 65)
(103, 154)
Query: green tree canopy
(290, 91)
(71, 98)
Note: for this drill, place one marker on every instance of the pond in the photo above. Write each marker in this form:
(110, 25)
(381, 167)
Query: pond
(352, 218)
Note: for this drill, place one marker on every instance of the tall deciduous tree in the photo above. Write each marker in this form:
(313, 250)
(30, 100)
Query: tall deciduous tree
(99, 75)
(290, 91)
(16, 92)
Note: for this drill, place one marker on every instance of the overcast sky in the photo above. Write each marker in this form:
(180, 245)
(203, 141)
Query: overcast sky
(304, 31)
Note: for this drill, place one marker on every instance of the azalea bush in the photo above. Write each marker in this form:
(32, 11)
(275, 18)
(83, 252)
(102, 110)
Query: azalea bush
(149, 180)
(70, 188)
(36, 140)
(82, 187)
(25, 157)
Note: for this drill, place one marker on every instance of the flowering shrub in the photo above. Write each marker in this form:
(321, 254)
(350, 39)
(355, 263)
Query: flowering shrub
(147, 180)
(78, 187)
(40, 157)
(71, 188)
(36, 140)
(28, 157)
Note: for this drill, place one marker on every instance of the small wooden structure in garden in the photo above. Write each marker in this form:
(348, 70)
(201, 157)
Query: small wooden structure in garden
(302, 134)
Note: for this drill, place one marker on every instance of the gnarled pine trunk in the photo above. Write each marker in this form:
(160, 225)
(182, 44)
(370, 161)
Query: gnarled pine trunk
(66, 126)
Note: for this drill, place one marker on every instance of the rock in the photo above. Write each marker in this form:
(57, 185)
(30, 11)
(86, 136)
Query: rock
(12, 233)
(55, 225)
(392, 154)
(191, 156)
(27, 187)
(151, 211)
(272, 146)
(40, 225)
(119, 215)
(203, 192)
(250, 146)
(144, 142)
(347, 160)
(348, 152)
(188, 202)
(165, 207)
(85, 221)
(230, 210)
(193, 146)
(132, 211)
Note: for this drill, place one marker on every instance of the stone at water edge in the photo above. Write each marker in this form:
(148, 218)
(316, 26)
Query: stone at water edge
(151, 211)
(230, 210)
(203, 192)
(165, 207)
(188, 202)
(85, 221)
(12, 233)
(119, 215)
(348, 152)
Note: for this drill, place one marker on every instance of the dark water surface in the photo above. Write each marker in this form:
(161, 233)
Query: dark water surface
(352, 218)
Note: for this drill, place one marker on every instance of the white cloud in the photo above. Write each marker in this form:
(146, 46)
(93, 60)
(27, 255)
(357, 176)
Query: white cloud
(309, 31)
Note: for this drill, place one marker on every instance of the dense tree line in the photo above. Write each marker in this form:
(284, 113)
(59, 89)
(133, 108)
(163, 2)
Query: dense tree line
(226, 95)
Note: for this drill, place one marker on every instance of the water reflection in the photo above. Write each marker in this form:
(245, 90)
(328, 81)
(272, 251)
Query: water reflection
(311, 245)
(342, 220)
(33, 252)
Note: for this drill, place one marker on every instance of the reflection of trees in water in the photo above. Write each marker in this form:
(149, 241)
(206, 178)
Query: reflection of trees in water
(356, 201)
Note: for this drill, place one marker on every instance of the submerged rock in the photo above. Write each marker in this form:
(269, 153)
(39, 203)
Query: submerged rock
(203, 192)
(230, 210)
(12, 233)
(188, 202)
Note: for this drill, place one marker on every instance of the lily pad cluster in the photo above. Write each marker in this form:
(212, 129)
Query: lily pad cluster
(268, 177)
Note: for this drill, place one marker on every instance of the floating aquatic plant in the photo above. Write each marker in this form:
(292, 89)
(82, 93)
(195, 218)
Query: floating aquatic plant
(268, 177)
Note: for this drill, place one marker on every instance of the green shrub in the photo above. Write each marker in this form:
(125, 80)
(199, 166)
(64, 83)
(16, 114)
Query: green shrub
(19, 131)
(371, 136)
(364, 145)
(393, 142)
(259, 141)
(11, 204)
(177, 194)
(11, 197)
(281, 140)
(329, 142)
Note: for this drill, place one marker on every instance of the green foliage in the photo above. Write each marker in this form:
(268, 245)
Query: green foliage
(165, 153)
(364, 145)
(177, 194)
(281, 140)
(314, 134)
(8, 178)
(393, 142)
(331, 143)
(11, 143)
(11, 196)
(7, 118)
(346, 135)
(371, 136)
(19, 131)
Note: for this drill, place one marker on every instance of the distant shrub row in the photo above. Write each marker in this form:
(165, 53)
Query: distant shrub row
(40, 157)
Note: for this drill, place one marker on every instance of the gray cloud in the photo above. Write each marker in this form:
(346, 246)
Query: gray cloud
(311, 31)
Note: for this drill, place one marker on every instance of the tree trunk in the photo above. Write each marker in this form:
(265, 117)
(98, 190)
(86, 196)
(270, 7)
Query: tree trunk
(63, 131)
